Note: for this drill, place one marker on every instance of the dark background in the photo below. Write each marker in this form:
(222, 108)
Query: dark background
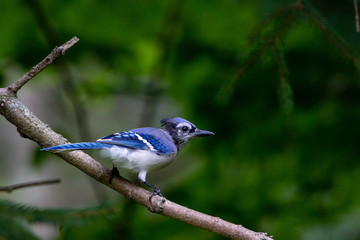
(277, 81)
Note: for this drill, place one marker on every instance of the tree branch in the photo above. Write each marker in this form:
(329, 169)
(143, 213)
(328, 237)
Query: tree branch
(11, 188)
(28, 124)
(55, 53)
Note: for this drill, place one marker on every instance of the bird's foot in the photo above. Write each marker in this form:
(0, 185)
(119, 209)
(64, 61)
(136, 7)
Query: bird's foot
(155, 192)
(114, 173)
(158, 205)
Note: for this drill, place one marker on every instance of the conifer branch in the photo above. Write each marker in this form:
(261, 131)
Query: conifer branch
(262, 41)
(331, 34)
(63, 217)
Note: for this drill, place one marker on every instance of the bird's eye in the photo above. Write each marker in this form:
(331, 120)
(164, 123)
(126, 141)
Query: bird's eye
(185, 128)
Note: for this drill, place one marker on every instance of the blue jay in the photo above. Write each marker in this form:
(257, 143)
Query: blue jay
(142, 150)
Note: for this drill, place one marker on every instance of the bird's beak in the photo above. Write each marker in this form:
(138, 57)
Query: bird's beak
(202, 133)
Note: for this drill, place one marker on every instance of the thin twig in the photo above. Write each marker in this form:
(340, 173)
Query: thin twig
(356, 16)
(11, 188)
(55, 53)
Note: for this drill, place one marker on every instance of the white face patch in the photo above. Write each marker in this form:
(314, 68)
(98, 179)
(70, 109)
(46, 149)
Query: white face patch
(180, 126)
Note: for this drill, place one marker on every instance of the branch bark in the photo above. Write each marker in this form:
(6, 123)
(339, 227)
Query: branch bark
(33, 128)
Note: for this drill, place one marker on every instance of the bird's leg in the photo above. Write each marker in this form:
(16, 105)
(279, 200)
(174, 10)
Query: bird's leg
(114, 173)
(142, 178)
(155, 192)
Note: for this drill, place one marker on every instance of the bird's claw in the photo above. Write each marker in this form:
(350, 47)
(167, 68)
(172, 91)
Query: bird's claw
(114, 173)
(155, 192)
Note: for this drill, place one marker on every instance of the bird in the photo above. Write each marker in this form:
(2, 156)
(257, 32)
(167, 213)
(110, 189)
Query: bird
(141, 150)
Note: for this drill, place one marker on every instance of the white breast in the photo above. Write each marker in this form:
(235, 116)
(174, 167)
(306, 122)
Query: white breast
(136, 160)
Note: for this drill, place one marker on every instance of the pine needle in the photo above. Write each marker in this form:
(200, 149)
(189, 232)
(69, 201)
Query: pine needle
(285, 91)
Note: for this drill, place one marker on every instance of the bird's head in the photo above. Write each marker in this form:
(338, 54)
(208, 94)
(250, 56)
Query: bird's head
(182, 130)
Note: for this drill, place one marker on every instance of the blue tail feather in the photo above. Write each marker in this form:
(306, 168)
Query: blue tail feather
(76, 146)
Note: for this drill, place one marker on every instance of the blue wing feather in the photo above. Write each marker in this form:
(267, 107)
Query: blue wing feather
(142, 138)
(159, 139)
(133, 144)
(125, 139)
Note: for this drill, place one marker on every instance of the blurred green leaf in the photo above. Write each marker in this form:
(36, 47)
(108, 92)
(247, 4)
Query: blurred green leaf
(292, 175)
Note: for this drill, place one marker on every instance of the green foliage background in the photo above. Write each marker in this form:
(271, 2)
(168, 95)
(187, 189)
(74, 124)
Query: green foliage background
(277, 81)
